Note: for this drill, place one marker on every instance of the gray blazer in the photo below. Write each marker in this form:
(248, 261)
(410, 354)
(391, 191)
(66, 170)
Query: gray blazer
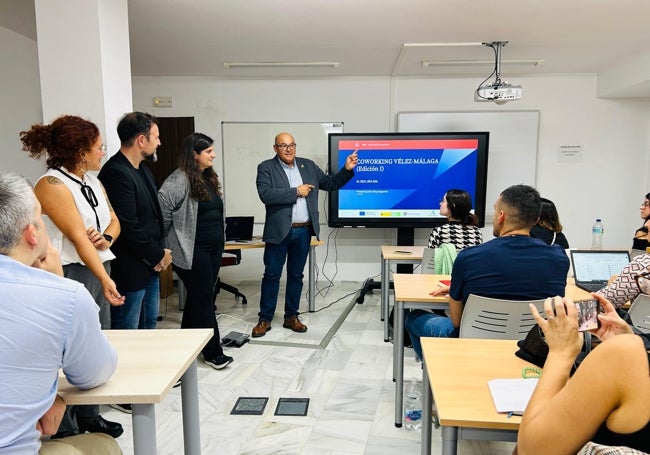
(279, 198)
(179, 214)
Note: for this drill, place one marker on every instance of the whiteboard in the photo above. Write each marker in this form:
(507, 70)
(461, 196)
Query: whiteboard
(247, 144)
(512, 156)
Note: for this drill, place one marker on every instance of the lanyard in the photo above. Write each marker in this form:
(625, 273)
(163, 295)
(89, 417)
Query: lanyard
(88, 194)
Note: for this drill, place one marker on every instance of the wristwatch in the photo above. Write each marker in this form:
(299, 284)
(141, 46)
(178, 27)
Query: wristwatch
(109, 238)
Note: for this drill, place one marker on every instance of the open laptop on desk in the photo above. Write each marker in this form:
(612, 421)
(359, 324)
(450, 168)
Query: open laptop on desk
(239, 228)
(592, 269)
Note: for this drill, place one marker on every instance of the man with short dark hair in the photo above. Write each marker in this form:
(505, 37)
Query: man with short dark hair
(140, 253)
(512, 266)
(48, 323)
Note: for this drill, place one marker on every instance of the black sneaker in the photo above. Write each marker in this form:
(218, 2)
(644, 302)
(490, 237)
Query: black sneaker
(122, 407)
(219, 362)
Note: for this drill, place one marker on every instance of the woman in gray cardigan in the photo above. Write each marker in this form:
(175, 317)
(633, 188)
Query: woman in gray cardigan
(192, 208)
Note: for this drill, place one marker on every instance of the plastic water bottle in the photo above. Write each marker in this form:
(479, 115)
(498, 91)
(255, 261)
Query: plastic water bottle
(597, 231)
(413, 406)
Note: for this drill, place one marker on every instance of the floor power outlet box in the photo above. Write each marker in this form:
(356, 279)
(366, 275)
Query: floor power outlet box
(235, 339)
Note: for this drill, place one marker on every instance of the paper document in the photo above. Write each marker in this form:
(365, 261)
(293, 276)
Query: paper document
(511, 395)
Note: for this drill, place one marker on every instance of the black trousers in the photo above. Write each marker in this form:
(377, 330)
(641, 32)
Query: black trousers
(200, 307)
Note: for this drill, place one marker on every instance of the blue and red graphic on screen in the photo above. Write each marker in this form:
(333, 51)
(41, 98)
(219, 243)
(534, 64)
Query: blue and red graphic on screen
(401, 177)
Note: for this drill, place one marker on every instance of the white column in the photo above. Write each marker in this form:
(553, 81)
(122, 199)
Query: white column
(84, 62)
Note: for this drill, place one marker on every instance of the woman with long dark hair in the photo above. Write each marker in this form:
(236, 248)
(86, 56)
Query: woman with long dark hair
(548, 227)
(192, 207)
(461, 230)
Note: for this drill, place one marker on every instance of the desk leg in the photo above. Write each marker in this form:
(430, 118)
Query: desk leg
(449, 440)
(427, 405)
(144, 429)
(312, 284)
(190, 402)
(398, 360)
(385, 288)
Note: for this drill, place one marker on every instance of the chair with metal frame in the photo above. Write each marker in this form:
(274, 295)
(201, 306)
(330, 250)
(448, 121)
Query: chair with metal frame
(639, 313)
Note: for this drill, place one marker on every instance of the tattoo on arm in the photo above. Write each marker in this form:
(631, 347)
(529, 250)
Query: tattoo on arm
(53, 180)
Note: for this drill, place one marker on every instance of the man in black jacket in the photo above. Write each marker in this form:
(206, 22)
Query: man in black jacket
(140, 253)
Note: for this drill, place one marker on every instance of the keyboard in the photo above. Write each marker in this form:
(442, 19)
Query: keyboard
(591, 287)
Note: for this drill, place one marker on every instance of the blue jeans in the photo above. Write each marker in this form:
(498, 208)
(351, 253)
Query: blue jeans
(140, 309)
(421, 323)
(294, 249)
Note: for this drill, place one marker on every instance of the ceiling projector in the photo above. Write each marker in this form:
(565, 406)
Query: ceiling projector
(499, 93)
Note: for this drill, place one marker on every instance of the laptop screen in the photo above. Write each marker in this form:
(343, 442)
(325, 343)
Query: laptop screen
(598, 266)
(239, 228)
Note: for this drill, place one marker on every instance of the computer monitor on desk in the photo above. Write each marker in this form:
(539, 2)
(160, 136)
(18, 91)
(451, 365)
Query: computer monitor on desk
(239, 228)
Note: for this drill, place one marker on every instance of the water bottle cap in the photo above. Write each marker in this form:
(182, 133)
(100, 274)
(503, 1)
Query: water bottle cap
(598, 219)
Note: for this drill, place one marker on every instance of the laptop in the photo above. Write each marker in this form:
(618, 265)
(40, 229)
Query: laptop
(592, 269)
(239, 228)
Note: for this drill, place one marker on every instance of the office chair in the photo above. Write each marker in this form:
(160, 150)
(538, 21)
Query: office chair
(640, 313)
(231, 257)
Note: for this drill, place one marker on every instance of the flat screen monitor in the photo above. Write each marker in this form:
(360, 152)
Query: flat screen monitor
(401, 177)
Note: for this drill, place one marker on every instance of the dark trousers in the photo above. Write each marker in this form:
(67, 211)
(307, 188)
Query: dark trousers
(294, 249)
(200, 282)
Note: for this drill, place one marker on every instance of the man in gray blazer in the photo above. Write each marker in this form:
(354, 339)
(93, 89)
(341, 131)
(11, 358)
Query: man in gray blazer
(285, 184)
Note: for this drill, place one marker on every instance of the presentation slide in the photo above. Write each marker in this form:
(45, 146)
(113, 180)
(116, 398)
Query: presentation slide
(405, 177)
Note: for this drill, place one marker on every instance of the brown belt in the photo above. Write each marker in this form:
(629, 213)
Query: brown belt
(305, 224)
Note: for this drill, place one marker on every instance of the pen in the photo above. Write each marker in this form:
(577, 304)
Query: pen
(510, 414)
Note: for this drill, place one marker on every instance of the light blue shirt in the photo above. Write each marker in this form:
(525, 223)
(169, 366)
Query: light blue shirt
(299, 214)
(46, 323)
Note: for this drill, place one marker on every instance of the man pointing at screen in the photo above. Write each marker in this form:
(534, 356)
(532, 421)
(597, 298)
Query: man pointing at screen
(285, 185)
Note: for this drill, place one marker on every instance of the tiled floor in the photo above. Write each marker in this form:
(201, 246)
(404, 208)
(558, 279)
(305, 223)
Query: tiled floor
(347, 378)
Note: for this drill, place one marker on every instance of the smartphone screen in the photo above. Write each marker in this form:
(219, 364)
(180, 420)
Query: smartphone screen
(588, 315)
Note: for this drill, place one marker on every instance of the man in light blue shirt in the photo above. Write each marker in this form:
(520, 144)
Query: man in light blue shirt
(47, 322)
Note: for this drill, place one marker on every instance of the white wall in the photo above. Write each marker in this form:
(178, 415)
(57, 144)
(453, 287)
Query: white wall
(609, 182)
(20, 98)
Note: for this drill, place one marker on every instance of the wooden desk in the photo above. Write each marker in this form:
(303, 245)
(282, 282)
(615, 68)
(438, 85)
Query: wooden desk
(149, 364)
(412, 291)
(389, 255)
(456, 372)
(257, 243)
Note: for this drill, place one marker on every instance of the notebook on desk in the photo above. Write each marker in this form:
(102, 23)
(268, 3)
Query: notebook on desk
(239, 228)
(592, 269)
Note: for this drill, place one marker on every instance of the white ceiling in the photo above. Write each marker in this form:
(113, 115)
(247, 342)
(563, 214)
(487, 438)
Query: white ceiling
(371, 37)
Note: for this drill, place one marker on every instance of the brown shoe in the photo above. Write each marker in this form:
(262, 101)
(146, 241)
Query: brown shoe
(294, 324)
(261, 328)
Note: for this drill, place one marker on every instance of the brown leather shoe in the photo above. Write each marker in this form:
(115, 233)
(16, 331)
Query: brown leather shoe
(294, 324)
(261, 328)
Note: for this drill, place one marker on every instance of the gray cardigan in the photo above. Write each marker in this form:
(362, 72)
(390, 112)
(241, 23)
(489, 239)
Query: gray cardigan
(179, 214)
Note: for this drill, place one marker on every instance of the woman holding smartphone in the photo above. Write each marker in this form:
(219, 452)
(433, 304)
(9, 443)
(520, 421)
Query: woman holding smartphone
(607, 400)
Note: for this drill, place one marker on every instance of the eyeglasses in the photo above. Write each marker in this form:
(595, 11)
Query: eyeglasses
(283, 147)
(102, 148)
(643, 281)
(645, 204)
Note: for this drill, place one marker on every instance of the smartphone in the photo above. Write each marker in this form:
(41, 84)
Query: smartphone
(588, 315)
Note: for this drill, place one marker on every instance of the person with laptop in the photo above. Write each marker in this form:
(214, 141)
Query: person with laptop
(633, 280)
(192, 215)
(286, 184)
(511, 266)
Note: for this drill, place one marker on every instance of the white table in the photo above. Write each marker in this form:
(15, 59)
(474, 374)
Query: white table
(149, 364)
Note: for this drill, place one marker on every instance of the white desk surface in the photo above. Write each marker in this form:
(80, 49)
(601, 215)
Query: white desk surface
(394, 252)
(149, 364)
